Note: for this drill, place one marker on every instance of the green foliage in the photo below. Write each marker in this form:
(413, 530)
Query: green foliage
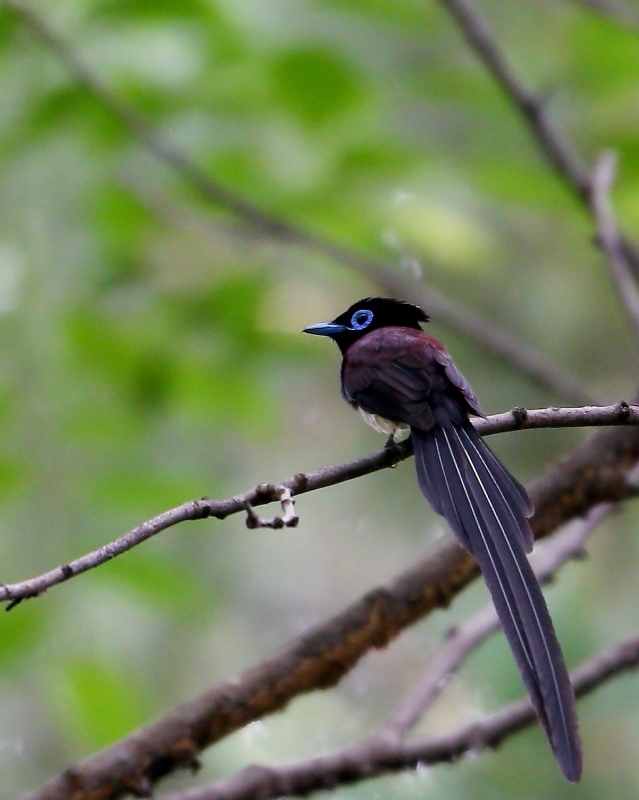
(97, 701)
(313, 84)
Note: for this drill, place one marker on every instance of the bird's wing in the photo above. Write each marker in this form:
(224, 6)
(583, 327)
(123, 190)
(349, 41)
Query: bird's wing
(403, 374)
(459, 382)
(389, 391)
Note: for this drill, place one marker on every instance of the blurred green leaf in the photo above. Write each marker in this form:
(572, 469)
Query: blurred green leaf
(314, 84)
(98, 702)
(22, 630)
(166, 583)
(128, 10)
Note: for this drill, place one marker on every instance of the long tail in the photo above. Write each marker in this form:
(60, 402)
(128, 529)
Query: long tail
(487, 510)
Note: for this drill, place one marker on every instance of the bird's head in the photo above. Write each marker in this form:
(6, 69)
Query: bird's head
(367, 315)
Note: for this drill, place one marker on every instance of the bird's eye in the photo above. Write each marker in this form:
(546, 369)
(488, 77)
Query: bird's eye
(361, 319)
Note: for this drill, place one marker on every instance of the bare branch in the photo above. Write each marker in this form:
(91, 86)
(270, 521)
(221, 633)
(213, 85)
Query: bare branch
(595, 472)
(520, 418)
(377, 756)
(465, 638)
(559, 152)
(609, 238)
(538, 367)
(517, 419)
(484, 43)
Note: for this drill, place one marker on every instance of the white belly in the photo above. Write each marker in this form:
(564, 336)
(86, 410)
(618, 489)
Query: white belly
(383, 425)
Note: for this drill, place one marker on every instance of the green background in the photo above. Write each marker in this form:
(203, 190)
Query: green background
(150, 353)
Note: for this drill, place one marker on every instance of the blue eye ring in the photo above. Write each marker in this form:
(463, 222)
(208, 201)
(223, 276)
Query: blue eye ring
(361, 319)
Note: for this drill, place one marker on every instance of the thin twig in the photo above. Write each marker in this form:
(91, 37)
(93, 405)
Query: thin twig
(556, 148)
(288, 518)
(466, 637)
(483, 41)
(517, 419)
(378, 756)
(539, 368)
(609, 238)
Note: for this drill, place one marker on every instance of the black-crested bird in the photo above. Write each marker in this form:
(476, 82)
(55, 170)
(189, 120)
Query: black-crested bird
(398, 375)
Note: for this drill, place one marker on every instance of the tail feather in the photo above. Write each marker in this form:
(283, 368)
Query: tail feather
(487, 510)
(515, 501)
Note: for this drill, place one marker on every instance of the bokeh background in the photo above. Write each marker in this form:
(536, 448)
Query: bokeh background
(150, 353)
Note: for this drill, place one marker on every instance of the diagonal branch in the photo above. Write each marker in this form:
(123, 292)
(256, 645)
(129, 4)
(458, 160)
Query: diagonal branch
(517, 419)
(377, 756)
(609, 238)
(559, 152)
(483, 41)
(594, 472)
(539, 368)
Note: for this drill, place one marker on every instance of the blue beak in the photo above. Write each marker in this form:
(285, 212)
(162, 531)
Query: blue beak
(325, 329)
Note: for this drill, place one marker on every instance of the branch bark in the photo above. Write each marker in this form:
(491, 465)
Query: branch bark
(594, 472)
(518, 419)
(377, 756)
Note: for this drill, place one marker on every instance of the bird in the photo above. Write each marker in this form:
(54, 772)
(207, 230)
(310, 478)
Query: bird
(398, 376)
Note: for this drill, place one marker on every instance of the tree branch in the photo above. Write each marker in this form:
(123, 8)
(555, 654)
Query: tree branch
(482, 40)
(520, 355)
(517, 419)
(594, 472)
(379, 756)
(609, 238)
(558, 151)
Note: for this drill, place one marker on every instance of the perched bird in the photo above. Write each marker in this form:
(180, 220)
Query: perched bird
(397, 375)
